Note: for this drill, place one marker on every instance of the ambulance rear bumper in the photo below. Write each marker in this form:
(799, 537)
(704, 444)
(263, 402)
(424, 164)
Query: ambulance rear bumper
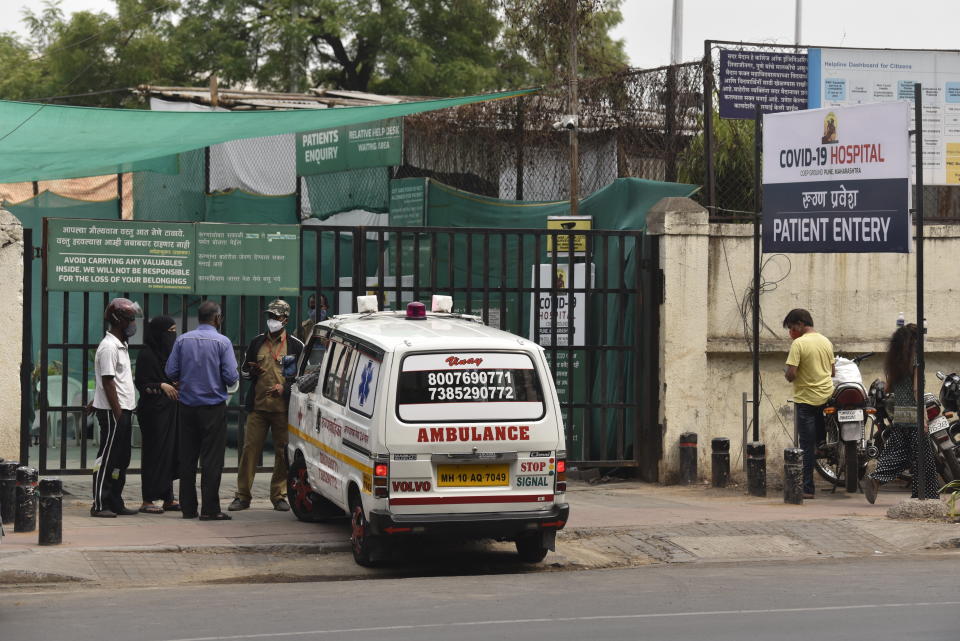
(480, 525)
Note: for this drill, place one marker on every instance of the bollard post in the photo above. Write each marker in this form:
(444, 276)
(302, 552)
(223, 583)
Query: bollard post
(757, 468)
(8, 490)
(688, 458)
(793, 476)
(25, 520)
(51, 512)
(720, 461)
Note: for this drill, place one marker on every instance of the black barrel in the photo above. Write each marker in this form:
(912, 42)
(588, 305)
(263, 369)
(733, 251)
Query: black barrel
(25, 520)
(720, 461)
(793, 475)
(688, 458)
(51, 511)
(757, 469)
(8, 490)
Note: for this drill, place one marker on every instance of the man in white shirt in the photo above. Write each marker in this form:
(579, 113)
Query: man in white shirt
(114, 402)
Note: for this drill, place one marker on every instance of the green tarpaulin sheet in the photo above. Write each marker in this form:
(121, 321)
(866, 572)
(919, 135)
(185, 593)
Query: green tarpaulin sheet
(237, 206)
(621, 205)
(41, 141)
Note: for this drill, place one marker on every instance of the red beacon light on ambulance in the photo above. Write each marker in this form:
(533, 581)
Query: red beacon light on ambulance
(416, 311)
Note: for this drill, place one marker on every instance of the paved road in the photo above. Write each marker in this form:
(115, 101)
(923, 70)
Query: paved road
(912, 598)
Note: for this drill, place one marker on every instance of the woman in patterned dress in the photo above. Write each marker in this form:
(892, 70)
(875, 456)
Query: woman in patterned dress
(903, 448)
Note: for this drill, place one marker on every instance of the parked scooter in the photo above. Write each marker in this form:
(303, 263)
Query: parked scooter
(841, 458)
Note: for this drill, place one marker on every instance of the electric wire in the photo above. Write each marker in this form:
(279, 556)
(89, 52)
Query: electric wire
(745, 309)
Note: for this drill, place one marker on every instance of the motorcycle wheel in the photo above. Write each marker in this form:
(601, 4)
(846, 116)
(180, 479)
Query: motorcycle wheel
(829, 457)
(851, 466)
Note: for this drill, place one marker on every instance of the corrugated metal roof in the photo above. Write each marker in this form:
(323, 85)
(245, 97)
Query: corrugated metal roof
(245, 99)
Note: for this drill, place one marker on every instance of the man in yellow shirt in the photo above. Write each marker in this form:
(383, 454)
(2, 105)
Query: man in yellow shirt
(810, 369)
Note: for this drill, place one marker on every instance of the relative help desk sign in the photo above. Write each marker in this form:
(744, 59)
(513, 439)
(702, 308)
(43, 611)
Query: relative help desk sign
(837, 180)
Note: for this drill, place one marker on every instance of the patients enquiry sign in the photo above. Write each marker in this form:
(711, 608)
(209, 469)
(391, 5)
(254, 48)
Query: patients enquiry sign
(837, 180)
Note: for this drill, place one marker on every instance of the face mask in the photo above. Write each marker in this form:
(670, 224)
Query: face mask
(274, 326)
(167, 339)
(313, 314)
(130, 329)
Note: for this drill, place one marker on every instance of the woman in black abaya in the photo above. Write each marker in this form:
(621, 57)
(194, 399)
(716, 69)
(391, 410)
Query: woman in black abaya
(157, 414)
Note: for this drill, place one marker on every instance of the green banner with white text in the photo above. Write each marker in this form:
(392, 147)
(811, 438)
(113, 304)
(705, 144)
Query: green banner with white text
(172, 258)
(372, 144)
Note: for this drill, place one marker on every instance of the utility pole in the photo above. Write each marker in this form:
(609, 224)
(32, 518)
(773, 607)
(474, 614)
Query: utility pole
(294, 85)
(797, 21)
(676, 33)
(573, 110)
(670, 104)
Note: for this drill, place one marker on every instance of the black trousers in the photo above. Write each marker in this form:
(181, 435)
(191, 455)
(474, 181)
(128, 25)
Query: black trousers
(203, 439)
(113, 459)
(158, 456)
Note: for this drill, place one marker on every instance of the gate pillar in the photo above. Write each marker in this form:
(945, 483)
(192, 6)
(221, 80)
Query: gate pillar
(683, 229)
(11, 343)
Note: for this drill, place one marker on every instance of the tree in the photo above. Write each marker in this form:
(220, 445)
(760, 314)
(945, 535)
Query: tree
(93, 53)
(412, 47)
(539, 33)
(732, 161)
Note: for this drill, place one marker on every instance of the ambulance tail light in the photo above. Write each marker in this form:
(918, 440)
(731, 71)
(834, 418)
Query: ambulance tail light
(561, 472)
(381, 472)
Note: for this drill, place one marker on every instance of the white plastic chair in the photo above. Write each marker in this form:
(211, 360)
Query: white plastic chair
(56, 398)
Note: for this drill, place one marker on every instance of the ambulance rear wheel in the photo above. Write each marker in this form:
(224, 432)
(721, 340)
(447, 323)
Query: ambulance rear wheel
(530, 548)
(361, 542)
(306, 505)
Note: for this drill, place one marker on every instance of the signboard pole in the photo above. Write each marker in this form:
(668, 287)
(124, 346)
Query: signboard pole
(921, 324)
(757, 205)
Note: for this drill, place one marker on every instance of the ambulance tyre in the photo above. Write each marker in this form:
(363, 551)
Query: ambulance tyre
(531, 548)
(361, 542)
(306, 505)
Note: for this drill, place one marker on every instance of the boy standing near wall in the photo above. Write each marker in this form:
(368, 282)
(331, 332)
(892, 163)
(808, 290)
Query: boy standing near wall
(810, 369)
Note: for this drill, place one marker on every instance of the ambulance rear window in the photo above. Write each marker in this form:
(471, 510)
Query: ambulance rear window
(466, 387)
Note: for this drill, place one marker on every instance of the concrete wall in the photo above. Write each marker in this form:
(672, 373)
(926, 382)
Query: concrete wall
(11, 320)
(854, 300)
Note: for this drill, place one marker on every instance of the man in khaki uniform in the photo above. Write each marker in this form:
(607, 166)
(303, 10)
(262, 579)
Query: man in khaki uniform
(266, 402)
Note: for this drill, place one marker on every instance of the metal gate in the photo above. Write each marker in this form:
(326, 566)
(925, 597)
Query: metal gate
(531, 282)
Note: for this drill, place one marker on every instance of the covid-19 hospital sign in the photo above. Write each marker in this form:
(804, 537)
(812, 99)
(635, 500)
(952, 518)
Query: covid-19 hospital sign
(837, 180)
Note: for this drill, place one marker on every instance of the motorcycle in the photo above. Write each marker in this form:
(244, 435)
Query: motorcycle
(944, 427)
(841, 457)
(943, 420)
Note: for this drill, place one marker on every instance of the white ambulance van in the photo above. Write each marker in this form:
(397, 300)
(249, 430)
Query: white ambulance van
(427, 424)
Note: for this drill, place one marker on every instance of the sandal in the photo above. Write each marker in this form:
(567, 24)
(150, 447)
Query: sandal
(171, 507)
(151, 509)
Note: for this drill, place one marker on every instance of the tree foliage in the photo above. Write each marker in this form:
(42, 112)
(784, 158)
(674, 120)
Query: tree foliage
(539, 33)
(411, 47)
(732, 161)
(91, 52)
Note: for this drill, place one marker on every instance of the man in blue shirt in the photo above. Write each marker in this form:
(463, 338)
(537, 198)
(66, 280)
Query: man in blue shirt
(203, 365)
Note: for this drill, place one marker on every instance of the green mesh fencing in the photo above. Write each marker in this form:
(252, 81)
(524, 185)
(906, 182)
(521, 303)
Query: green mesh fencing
(171, 197)
(330, 194)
